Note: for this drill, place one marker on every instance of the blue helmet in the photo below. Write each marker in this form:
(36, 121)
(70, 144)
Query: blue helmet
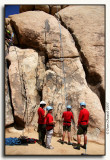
(49, 108)
(82, 104)
(68, 107)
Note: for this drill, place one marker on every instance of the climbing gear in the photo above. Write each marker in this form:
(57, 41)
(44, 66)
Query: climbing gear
(62, 58)
(8, 31)
(66, 122)
(82, 104)
(49, 108)
(68, 107)
(43, 102)
(19, 141)
(12, 141)
(12, 35)
(8, 41)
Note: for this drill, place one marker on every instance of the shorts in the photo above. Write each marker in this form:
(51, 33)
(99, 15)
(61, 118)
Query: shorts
(67, 128)
(82, 129)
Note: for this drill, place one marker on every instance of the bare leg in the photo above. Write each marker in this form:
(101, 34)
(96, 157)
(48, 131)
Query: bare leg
(85, 139)
(63, 136)
(78, 139)
(68, 137)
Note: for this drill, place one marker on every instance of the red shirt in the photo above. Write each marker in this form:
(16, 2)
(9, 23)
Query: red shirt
(41, 119)
(67, 115)
(49, 119)
(83, 117)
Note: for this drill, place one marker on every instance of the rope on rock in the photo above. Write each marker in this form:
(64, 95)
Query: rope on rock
(62, 59)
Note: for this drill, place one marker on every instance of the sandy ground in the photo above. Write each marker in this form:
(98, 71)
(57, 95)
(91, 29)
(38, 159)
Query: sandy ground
(59, 149)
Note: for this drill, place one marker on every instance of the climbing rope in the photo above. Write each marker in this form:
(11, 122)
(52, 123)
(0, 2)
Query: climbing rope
(62, 59)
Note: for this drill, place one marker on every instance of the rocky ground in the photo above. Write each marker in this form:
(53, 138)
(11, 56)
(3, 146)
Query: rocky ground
(59, 149)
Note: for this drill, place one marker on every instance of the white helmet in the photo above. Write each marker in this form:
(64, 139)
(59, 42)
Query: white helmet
(43, 102)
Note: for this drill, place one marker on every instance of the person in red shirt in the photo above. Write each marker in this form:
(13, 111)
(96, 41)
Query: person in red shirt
(49, 127)
(67, 116)
(82, 125)
(42, 122)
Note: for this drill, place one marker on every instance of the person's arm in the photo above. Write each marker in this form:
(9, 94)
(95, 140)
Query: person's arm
(72, 120)
(51, 121)
(45, 113)
(80, 118)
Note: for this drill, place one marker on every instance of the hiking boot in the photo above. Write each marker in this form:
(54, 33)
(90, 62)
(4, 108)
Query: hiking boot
(77, 147)
(43, 144)
(62, 142)
(50, 147)
(84, 146)
(69, 143)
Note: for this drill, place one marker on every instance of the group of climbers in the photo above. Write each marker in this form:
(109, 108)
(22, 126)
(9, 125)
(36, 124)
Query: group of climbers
(46, 124)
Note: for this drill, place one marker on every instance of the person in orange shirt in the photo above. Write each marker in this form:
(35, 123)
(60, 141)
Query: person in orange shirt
(82, 125)
(42, 122)
(67, 117)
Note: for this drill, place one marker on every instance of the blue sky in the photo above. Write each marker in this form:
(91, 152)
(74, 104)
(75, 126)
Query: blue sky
(11, 9)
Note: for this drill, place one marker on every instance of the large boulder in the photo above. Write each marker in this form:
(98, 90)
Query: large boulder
(70, 85)
(24, 8)
(22, 79)
(86, 24)
(50, 9)
(9, 118)
(43, 34)
(44, 8)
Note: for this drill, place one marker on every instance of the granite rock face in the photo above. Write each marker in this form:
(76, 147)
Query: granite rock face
(58, 61)
(43, 34)
(9, 118)
(22, 78)
(86, 24)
